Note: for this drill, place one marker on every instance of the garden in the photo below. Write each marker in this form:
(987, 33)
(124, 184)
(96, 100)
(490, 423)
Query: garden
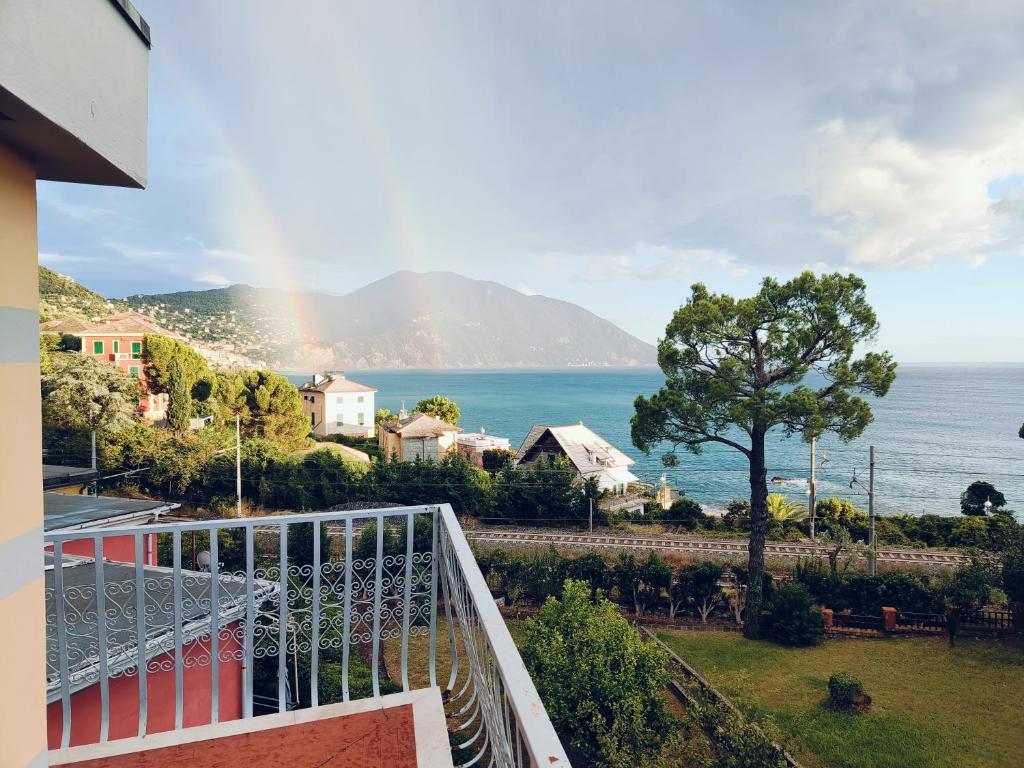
(931, 705)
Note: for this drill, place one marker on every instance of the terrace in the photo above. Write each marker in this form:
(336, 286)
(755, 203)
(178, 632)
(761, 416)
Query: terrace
(336, 638)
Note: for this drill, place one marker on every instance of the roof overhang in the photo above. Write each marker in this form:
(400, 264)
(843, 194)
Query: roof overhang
(74, 89)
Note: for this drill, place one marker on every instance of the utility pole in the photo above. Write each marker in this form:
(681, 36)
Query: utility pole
(95, 484)
(810, 486)
(238, 464)
(873, 554)
(591, 500)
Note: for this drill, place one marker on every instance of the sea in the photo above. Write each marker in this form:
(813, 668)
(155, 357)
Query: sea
(940, 428)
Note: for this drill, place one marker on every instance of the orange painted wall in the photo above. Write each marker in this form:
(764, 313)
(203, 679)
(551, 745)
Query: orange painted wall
(124, 698)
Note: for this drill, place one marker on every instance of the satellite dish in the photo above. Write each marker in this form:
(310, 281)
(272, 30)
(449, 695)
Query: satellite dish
(204, 560)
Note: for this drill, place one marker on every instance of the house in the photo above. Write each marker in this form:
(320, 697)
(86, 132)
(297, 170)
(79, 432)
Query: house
(336, 405)
(416, 436)
(471, 445)
(118, 339)
(591, 455)
(68, 512)
(77, 587)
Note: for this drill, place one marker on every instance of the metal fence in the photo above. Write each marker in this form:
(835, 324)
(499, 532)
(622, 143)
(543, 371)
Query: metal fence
(302, 617)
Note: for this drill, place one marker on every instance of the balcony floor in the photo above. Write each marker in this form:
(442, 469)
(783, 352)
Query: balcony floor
(403, 730)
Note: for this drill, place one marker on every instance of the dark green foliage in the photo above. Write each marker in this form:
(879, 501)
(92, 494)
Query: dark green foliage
(497, 459)
(845, 692)
(688, 514)
(964, 591)
(591, 569)
(300, 543)
(80, 392)
(544, 493)
(440, 407)
(734, 741)
(61, 296)
(972, 500)
(1013, 572)
(158, 356)
(179, 398)
(601, 684)
(796, 620)
(699, 582)
(735, 369)
(835, 513)
(737, 515)
(641, 582)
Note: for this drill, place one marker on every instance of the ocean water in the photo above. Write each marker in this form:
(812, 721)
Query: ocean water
(940, 428)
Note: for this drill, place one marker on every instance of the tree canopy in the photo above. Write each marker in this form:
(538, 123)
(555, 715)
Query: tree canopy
(782, 359)
(440, 407)
(158, 355)
(972, 500)
(601, 684)
(82, 392)
(268, 404)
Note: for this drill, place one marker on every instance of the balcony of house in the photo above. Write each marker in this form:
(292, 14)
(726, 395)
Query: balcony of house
(328, 639)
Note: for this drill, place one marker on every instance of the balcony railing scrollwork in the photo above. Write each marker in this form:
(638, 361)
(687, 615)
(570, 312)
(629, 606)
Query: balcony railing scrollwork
(239, 617)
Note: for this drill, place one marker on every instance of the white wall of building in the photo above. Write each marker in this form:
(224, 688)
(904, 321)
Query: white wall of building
(349, 413)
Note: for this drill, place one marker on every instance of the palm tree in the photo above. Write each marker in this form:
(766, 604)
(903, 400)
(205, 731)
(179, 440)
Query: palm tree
(783, 511)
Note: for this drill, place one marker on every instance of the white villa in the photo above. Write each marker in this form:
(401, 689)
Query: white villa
(591, 455)
(335, 405)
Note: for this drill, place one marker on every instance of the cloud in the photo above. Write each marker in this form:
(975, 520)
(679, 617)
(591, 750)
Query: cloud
(896, 203)
(213, 278)
(652, 262)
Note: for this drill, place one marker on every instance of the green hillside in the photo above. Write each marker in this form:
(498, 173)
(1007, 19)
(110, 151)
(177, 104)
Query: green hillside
(61, 296)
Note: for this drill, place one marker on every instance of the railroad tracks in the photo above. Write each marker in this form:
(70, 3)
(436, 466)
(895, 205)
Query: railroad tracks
(727, 547)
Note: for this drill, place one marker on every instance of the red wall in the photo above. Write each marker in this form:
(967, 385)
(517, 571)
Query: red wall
(120, 549)
(124, 699)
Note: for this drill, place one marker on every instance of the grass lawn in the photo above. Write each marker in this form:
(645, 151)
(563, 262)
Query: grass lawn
(933, 705)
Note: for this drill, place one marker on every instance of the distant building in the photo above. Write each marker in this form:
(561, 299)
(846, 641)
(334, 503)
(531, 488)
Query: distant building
(471, 445)
(418, 436)
(592, 456)
(335, 405)
(118, 340)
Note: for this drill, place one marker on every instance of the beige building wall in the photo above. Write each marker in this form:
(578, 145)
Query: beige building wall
(22, 606)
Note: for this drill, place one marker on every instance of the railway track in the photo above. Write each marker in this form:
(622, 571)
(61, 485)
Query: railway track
(730, 547)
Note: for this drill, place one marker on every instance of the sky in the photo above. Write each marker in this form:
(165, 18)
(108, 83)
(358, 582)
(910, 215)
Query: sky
(609, 154)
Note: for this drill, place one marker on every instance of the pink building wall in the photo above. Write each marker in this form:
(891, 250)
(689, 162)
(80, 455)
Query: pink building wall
(120, 549)
(124, 698)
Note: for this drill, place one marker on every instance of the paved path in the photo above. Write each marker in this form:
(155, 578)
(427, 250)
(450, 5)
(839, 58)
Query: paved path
(733, 547)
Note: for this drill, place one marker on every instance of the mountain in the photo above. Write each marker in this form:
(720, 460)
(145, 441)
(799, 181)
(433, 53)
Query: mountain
(405, 320)
(60, 296)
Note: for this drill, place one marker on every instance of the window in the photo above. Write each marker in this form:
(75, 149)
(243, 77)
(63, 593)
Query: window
(359, 399)
(340, 400)
(133, 370)
(97, 347)
(117, 346)
(340, 422)
(361, 419)
(136, 350)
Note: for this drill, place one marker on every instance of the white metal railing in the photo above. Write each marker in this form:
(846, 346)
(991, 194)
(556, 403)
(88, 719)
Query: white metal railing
(267, 614)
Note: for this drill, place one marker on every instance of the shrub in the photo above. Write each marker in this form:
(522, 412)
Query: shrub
(736, 742)
(796, 620)
(846, 692)
(601, 684)
(688, 514)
